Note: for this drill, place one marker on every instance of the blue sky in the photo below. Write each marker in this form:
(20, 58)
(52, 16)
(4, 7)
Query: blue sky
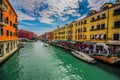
(42, 16)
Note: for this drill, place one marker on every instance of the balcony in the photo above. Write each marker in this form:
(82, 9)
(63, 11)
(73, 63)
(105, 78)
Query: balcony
(115, 27)
(3, 7)
(92, 20)
(91, 29)
(2, 22)
(97, 19)
(103, 17)
(117, 13)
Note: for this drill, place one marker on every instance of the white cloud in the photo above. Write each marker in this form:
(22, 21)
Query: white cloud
(22, 16)
(96, 4)
(56, 8)
(46, 20)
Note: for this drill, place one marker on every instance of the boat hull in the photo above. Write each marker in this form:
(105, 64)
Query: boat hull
(107, 59)
(83, 57)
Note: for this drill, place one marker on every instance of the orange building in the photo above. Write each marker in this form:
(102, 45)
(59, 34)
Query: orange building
(8, 21)
(8, 30)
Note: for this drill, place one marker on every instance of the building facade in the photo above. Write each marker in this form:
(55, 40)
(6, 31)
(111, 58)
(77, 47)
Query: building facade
(102, 26)
(49, 36)
(8, 28)
(25, 34)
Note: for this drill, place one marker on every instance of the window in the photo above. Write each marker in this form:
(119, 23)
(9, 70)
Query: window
(85, 21)
(10, 33)
(6, 6)
(103, 16)
(98, 27)
(16, 20)
(7, 32)
(117, 24)
(1, 16)
(79, 23)
(11, 23)
(106, 7)
(6, 20)
(10, 12)
(98, 17)
(1, 31)
(79, 36)
(92, 19)
(116, 37)
(84, 36)
(1, 1)
(104, 37)
(76, 24)
(92, 28)
(84, 30)
(116, 12)
(79, 30)
(102, 26)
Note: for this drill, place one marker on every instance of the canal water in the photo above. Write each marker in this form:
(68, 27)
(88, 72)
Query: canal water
(37, 62)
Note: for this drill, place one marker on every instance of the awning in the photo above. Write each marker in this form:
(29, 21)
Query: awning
(85, 45)
(84, 37)
(91, 36)
(73, 42)
(97, 36)
(78, 44)
(102, 36)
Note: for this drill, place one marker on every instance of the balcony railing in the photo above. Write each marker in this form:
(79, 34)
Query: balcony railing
(2, 22)
(3, 7)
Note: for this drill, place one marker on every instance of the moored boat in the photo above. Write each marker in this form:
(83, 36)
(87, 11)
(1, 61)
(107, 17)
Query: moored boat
(83, 56)
(46, 45)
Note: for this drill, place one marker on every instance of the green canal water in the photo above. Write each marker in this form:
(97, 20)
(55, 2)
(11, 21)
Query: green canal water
(37, 62)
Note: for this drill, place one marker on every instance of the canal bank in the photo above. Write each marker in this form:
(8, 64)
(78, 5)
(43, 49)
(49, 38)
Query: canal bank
(7, 49)
(37, 62)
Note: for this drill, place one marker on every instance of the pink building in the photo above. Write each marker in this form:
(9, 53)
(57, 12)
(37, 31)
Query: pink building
(25, 34)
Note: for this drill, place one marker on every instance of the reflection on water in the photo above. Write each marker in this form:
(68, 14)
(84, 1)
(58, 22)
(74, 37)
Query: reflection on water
(37, 62)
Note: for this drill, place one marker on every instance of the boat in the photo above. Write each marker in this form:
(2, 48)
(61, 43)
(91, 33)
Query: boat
(109, 59)
(83, 56)
(22, 44)
(46, 45)
(105, 54)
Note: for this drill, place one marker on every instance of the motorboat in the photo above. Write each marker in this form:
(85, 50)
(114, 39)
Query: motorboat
(83, 56)
(46, 45)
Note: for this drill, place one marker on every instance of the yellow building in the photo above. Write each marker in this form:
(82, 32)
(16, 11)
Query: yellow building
(101, 26)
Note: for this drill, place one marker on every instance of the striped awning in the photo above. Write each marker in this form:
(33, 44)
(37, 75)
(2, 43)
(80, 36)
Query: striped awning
(91, 36)
(97, 36)
(84, 36)
(102, 36)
